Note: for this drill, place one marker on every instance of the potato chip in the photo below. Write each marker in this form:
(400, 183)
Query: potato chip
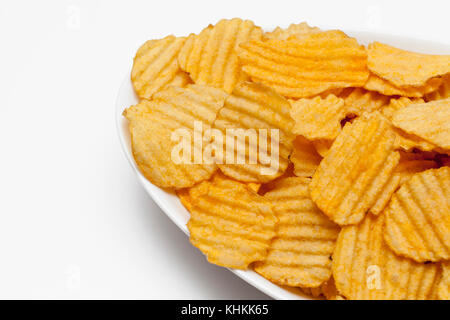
(300, 253)
(443, 290)
(231, 224)
(355, 171)
(361, 100)
(304, 157)
(375, 83)
(210, 57)
(156, 66)
(364, 267)
(153, 125)
(327, 290)
(317, 118)
(397, 104)
(443, 92)
(303, 68)
(259, 119)
(297, 31)
(429, 121)
(405, 68)
(418, 217)
(322, 146)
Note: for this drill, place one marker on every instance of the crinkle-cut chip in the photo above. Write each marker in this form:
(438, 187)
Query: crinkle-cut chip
(322, 146)
(231, 224)
(351, 177)
(365, 268)
(317, 118)
(156, 65)
(443, 290)
(300, 253)
(443, 92)
(304, 157)
(210, 57)
(361, 100)
(297, 31)
(405, 68)
(327, 290)
(250, 112)
(418, 217)
(375, 83)
(397, 104)
(152, 125)
(307, 67)
(429, 121)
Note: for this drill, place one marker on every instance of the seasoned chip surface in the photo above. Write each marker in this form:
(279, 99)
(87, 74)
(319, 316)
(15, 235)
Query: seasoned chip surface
(314, 64)
(304, 157)
(231, 224)
(294, 31)
(365, 268)
(210, 57)
(300, 253)
(360, 100)
(354, 172)
(443, 290)
(418, 217)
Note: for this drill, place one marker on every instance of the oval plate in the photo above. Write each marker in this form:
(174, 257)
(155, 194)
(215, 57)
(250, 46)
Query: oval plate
(169, 202)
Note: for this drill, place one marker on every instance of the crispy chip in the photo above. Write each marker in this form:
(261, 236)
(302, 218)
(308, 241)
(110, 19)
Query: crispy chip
(304, 157)
(405, 68)
(297, 31)
(327, 290)
(210, 57)
(364, 267)
(429, 121)
(397, 104)
(303, 68)
(360, 163)
(360, 101)
(254, 106)
(418, 217)
(300, 253)
(153, 123)
(317, 118)
(231, 224)
(375, 83)
(443, 291)
(322, 146)
(443, 91)
(156, 66)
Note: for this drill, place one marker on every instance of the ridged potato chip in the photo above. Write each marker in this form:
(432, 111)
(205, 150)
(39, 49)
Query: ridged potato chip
(306, 67)
(397, 104)
(405, 68)
(210, 57)
(261, 110)
(294, 31)
(418, 217)
(443, 92)
(443, 290)
(361, 100)
(304, 157)
(156, 66)
(318, 118)
(375, 83)
(231, 224)
(364, 267)
(353, 174)
(300, 253)
(327, 290)
(322, 146)
(429, 121)
(153, 123)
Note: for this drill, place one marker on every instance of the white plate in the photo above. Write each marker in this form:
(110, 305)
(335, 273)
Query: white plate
(169, 202)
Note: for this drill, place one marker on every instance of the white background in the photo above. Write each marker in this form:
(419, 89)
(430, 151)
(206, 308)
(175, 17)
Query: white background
(74, 221)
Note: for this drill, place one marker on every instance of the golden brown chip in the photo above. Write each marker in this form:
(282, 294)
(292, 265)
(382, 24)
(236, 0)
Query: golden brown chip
(304, 157)
(375, 83)
(443, 290)
(303, 68)
(429, 121)
(259, 119)
(300, 253)
(361, 100)
(317, 118)
(156, 66)
(211, 58)
(405, 68)
(353, 174)
(327, 290)
(418, 217)
(443, 92)
(397, 104)
(298, 31)
(231, 224)
(322, 146)
(364, 267)
(153, 125)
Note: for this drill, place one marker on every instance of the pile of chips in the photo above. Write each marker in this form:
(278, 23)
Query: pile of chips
(358, 206)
